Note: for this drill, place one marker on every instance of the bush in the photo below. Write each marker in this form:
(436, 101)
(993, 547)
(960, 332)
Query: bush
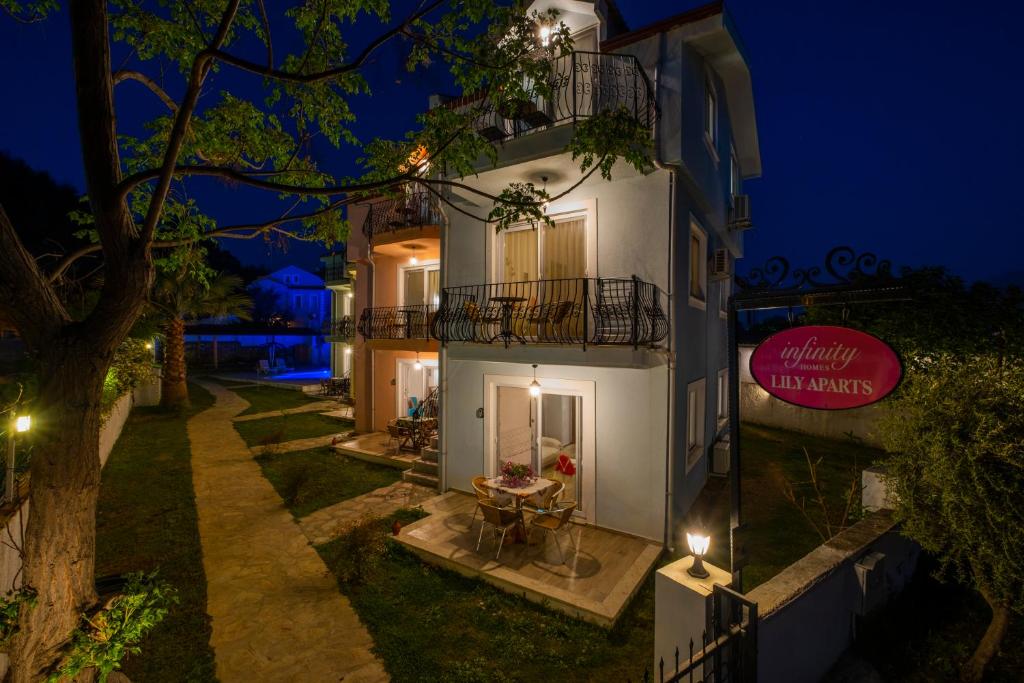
(361, 548)
(132, 365)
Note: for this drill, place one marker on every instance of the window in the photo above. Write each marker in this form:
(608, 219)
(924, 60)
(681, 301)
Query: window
(545, 252)
(711, 115)
(695, 399)
(735, 177)
(298, 302)
(722, 411)
(698, 266)
(724, 290)
(420, 285)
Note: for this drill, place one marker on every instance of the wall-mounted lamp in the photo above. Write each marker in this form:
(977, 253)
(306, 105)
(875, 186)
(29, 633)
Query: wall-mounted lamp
(699, 544)
(535, 385)
(545, 35)
(23, 423)
(348, 350)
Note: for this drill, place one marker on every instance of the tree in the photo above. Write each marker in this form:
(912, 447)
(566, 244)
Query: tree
(139, 208)
(955, 434)
(181, 296)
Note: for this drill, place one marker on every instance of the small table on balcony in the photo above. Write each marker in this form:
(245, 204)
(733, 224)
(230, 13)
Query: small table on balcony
(508, 305)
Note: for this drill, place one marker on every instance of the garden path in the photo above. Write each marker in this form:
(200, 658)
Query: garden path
(276, 610)
(327, 524)
(297, 444)
(315, 407)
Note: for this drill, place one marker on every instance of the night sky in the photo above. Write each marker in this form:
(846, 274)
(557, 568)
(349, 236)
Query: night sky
(891, 127)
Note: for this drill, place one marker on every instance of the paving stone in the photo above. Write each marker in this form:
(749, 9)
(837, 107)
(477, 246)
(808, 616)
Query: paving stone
(276, 610)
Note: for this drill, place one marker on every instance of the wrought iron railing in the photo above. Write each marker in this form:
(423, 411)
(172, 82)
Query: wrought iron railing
(396, 322)
(582, 84)
(410, 210)
(572, 311)
(343, 328)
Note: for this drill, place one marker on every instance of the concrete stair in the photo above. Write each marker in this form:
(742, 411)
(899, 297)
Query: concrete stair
(424, 468)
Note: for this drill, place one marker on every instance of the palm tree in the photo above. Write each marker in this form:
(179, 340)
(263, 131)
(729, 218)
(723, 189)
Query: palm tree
(179, 297)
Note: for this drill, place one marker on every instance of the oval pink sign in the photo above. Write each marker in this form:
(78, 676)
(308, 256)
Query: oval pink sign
(825, 367)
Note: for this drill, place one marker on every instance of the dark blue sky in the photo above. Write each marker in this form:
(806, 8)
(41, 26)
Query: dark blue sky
(891, 127)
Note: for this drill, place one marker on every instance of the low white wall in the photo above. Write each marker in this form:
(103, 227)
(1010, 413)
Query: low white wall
(807, 611)
(757, 406)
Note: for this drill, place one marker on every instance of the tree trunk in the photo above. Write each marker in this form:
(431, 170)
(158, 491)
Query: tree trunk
(60, 539)
(974, 670)
(174, 387)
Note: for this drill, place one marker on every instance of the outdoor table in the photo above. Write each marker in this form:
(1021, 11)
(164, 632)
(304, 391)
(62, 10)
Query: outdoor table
(507, 304)
(519, 495)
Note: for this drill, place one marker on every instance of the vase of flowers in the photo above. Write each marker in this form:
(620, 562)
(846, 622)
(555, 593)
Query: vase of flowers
(517, 475)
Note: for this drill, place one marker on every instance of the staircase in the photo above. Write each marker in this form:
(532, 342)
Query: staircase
(424, 468)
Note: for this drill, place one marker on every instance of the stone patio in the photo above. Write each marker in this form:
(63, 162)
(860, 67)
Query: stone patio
(327, 524)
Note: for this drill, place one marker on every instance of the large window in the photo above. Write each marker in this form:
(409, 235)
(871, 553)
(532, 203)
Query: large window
(698, 276)
(695, 401)
(545, 252)
(421, 285)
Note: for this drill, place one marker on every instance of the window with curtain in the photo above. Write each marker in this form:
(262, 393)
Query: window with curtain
(549, 252)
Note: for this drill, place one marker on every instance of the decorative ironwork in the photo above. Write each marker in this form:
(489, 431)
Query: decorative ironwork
(843, 267)
(728, 652)
(396, 322)
(581, 84)
(570, 311)
(343, 328)
(413, 209)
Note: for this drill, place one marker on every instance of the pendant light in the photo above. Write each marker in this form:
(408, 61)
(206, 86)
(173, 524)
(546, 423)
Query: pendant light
(417, 365)
(535, 385)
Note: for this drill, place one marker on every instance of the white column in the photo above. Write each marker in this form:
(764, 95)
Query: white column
(682, 606)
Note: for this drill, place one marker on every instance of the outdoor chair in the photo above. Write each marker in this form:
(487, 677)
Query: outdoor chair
(500, 519)
(547, 319)
(486, 495)
(394, 443)
(281, 366)
(554, 522)
(542, 501)
(262, 368)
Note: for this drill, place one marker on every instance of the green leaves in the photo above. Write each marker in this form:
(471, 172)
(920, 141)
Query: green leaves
(520, 203)
(31, 11)
(608, 136)
(10, 607)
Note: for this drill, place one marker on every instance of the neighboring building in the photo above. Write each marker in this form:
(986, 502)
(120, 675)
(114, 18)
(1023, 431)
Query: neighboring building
(291, 306)
(340, 327)
(618, 311)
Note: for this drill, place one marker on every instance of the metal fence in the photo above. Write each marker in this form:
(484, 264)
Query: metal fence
(728, 647)
(343, 328)
(396, 322)
(571, 311)
(410, 210)
(581, 84)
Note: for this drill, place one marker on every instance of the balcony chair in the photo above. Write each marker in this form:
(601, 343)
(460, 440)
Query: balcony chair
(554, 522)
(500, 519)
(548, 318)
(542, 501)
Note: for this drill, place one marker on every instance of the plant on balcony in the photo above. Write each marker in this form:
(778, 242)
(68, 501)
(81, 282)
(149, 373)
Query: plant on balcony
(515, 475)
(141, 207)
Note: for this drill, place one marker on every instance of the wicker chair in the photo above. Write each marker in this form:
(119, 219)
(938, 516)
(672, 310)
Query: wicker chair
(543, 501)
(554, 522)
(500, 519)
(485, 495)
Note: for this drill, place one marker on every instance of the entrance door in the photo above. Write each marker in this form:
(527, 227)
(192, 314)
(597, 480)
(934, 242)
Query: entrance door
(413, 384)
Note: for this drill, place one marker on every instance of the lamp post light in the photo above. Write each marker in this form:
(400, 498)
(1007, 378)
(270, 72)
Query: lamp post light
(21, 423)
(699, 547)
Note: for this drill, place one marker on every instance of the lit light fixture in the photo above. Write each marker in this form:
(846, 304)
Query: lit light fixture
(149, 346)
(23, 423)
(535, 385)
(413, 248)
(413, 260)
(417, 365)
(699, 547)
(348, 350)
(348, 295)
(545, 35)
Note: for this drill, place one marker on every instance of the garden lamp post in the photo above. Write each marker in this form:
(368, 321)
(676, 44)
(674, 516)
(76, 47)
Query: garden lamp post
(21, 423)
(699, 547)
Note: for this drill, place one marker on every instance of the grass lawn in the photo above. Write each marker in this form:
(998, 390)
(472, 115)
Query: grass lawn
(430, 624)
(777, 533)
(147, 519)
(290, 427)
(263, 399)
(931, 629)
(310, 480)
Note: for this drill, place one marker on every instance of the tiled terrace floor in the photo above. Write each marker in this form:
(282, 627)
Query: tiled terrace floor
(373, 447)
(594, 584)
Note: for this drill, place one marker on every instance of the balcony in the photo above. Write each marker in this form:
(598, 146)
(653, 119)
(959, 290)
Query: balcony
(335, 269)
(582, 84)
(568, 312)
(396, 322)
(393, 219)
(340, 329)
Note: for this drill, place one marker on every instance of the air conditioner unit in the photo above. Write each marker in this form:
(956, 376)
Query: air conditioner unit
(720, 457)
(720, 265)
(739, 214)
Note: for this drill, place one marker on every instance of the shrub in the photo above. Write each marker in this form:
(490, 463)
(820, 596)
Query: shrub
(361, 548)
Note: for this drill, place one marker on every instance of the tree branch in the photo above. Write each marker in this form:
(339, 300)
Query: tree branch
(266, 29)
(132, 75)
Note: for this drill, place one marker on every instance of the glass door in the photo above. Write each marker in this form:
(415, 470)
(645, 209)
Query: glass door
(515, 442)
(560, 430)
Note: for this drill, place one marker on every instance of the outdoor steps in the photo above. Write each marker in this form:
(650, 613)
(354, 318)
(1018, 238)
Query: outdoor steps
(424, 468)
(420, 478)
(430, 454)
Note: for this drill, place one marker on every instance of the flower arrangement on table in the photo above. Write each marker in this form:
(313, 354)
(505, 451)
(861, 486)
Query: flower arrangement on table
(516, 475)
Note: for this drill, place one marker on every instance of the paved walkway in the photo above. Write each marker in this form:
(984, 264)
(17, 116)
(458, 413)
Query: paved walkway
(315, 407)
(327, 524)
(296, 444)
(277, 612)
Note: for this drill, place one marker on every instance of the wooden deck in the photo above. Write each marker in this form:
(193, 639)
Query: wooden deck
(594, 584)
(373, 447)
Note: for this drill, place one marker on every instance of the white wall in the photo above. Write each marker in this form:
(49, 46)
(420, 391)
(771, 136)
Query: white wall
(630, 440)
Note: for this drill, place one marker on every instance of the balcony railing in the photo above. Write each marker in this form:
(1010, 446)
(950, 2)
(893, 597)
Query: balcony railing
(410, 210)
(396, 322)
(343, 328)
(582, 84)
(575, 311)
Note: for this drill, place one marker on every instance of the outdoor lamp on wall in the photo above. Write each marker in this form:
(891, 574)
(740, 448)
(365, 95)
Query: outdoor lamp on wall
(699, 547)
(23, 423)
(348, 350)
(535, 385)
(545, 35)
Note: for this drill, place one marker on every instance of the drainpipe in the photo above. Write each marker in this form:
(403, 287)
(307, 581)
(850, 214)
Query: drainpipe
(442, 361)
(671, 364)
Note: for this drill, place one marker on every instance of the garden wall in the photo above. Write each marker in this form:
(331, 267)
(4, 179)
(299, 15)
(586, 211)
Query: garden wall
(807, 612)
(758, 407)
